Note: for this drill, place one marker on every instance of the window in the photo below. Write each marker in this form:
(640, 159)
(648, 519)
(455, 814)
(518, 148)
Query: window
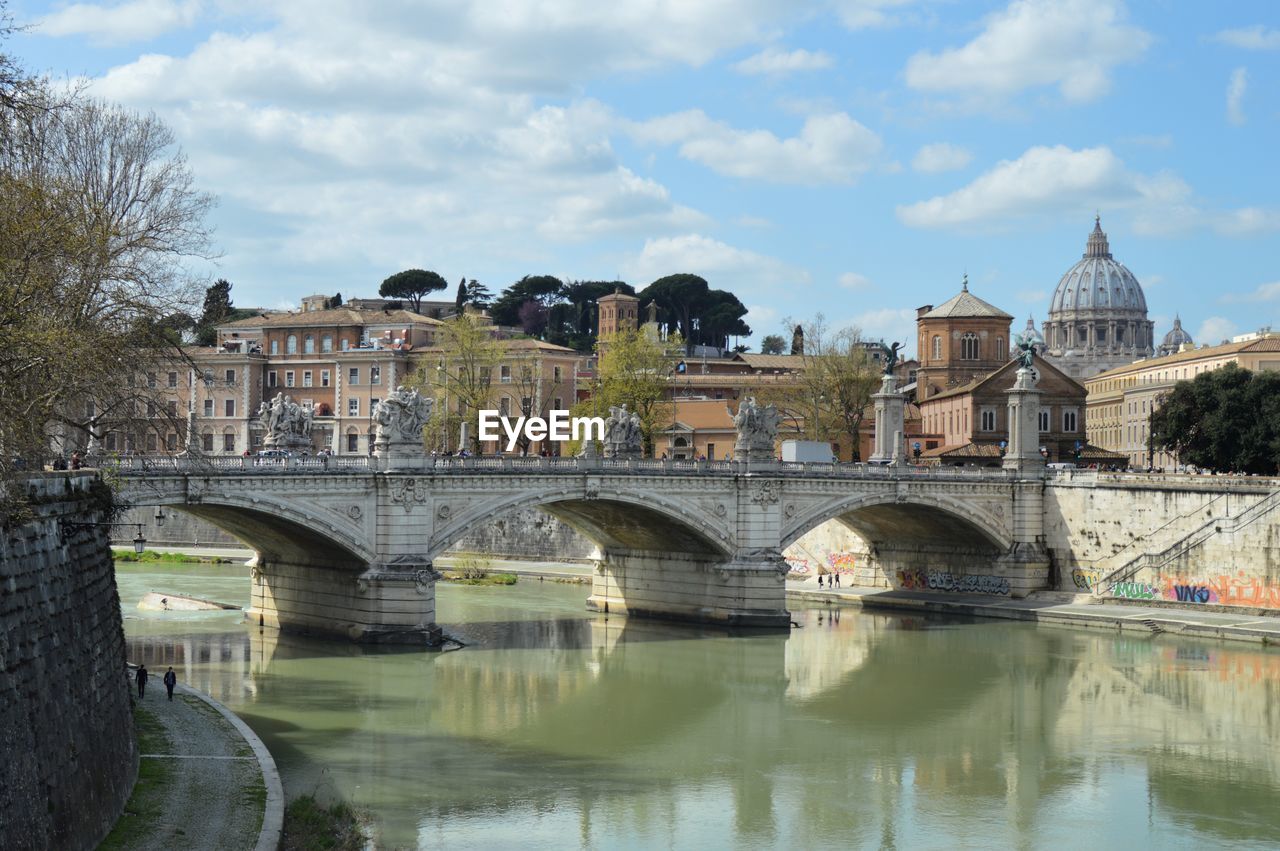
(151, 380)
(526, 373)
(505, 373)
(208, 407)
(988, 419)
(275, 347)
(288, 378)
(291, 344)
(1044, 419)
(504, 406)
(711, 452)
(271, 378)
(375, 375)
(172, 407)
(969, 346)
(173, 379)
(111, 442)
(326, 343)
(1101, 334)
(353, 407)
(353, 443)
(308, 345)
(324, 378)
(937, 347)
(230, 376)
(151, 442)
(555, 374)
(208, 377)
(306, 378)
(1069, 420)
(206, 442)
(353, 375)
(346, 345)
(373, 404)
(526, 406)
(228, 442)
(171, 442)
(559, 404)
(1000, 350)
(229, 407)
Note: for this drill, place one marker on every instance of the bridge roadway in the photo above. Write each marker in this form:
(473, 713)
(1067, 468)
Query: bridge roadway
(345, 545)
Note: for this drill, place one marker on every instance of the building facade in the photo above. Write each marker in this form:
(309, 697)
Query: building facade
(960, 340)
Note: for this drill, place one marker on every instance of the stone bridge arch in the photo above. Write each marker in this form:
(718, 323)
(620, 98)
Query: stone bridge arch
(614, 518)
(929, 517)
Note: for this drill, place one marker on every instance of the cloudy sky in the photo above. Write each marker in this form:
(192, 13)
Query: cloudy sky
(854, 157)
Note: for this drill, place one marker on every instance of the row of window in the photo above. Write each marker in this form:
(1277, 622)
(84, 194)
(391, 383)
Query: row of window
(970, 347)
(987, 420)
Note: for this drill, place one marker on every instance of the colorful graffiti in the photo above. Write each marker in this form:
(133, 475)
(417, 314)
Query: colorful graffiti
(1085, 578)
(915, 579)
(798, 565)
(1134, 591)
(1223, 590)
(840, 562)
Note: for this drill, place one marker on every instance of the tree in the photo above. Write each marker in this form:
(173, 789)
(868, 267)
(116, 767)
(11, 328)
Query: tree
(830, 394)
(773, 344)
(412, 285)
(540, 289)
(331, 303)
(461, 381)
(719, 317)
(99, 218)
(634, 369)
(679, 297)
(1227, 419)
(478, 294)
(533, 318)
(460, 300)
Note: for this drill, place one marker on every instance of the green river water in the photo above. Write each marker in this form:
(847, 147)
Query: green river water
(557, 728)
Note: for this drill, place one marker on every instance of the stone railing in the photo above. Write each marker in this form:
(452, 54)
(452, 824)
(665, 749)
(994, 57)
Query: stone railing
(355, 464)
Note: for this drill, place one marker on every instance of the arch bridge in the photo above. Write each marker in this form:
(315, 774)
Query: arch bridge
(346, 545)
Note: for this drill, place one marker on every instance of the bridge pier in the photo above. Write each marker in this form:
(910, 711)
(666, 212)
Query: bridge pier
(382, 603)
(747, 591)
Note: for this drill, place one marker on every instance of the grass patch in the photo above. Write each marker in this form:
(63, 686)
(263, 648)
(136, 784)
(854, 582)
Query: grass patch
(487, 579)
(149, 556)
(308, 825)
(142, 813)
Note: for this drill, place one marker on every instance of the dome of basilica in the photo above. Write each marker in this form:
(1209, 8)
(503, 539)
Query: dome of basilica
(1098, 281)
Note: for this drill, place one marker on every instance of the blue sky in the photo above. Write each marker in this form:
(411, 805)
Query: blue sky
(854, 157)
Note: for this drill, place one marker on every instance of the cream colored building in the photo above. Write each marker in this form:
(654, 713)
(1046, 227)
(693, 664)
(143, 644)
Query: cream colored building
(1119, 402)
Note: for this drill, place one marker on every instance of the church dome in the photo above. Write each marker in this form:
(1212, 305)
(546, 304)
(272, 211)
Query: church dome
(1098, 282)
(1176, 338)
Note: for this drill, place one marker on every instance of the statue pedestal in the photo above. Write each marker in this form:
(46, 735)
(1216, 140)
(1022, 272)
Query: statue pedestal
(890, 426)
(294, 443)
(1023, 451)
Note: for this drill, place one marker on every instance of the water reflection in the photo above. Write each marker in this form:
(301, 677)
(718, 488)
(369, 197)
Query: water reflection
(558, 728)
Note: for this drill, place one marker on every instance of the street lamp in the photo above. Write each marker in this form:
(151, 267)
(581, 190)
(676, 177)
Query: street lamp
(139, 542)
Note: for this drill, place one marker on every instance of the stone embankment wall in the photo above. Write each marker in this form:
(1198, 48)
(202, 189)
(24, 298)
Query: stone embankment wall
(68, 752)
(1190, 540)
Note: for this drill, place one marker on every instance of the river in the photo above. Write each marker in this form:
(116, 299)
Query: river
(558, 728)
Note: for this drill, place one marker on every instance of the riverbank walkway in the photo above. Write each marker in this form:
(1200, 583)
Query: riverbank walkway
(1052, 607)
(219, 786)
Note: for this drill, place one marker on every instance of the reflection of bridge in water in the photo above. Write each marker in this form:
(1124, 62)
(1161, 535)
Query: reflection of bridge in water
(348, 548)
(617, 719)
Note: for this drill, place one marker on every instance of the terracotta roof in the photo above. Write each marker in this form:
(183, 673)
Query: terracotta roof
(965, 304)
(336, 316)
(1089, 452)
(1010, 366)
(529, 343)
(1269, 343)
(789, 362)
(963, 450)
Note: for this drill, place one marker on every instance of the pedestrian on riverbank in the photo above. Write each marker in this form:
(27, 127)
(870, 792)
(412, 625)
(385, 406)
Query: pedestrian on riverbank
(141, 679)
(170, 680)
(820, 585)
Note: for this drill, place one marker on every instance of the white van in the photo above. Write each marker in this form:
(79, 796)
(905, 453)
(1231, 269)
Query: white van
(1064, 465)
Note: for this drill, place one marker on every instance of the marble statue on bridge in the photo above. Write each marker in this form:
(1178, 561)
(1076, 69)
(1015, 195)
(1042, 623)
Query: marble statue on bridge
(622, 434)
(400, 419)
(757, 427)
(288, 423)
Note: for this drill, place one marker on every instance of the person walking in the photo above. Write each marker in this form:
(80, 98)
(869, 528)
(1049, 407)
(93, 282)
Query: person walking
(141, 679)
(170, 680)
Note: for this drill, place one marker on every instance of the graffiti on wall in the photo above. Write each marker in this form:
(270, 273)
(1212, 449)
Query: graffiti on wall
(840, 562)
(915, 579)
(1085, 578)
(1223, 590)
(798, 565)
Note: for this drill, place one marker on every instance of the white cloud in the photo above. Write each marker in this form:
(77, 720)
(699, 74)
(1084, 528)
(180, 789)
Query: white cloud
(135, 20)
(1264, 292)
(773, 61)
(889, 324)
(1256, 37)
(860, 14)
(1215, 329)
(724, 266)
(939, 157)
(1051, 180)
(1236, 88)
(830, 148)
(1072, 44)
(854, 281)
(1247, 221)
